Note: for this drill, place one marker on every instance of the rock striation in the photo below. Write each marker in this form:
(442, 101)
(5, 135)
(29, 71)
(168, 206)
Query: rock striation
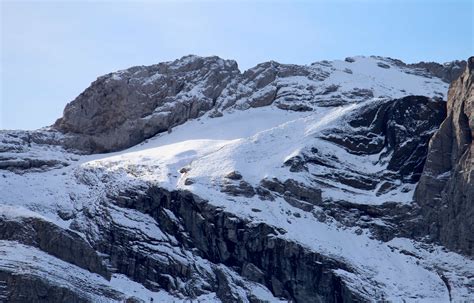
(445, 191)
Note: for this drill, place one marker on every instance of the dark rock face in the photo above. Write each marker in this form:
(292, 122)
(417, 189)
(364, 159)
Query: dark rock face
(295, 193)
(23, 288)
(254, 250)
(445, 191)
(398, 129)
(63, 244)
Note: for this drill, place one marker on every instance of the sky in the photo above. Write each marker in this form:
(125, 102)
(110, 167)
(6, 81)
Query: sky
(52, 50)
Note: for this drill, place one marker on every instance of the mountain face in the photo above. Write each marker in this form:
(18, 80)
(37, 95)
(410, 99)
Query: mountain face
(124, 108)
(342, 181)
(445, 190)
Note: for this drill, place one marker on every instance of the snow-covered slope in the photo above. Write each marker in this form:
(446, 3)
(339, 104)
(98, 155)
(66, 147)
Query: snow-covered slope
(304, 196)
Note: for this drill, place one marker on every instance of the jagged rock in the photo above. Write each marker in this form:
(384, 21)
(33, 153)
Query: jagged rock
(19, 165)
(242, 188)
(234, 175)
(221, 237)
(445, 191)
(124, 108)
(449, 71)
(63, 244)
(295, 193)
(402, 128)
(23, 288)
(349, 59)
(383, 65)
(131, 217)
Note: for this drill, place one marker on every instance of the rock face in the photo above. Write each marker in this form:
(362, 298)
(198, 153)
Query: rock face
(399, 128)
(48, 237)
(122, 109)
(449, 71)
(254, 250)
(446, 189)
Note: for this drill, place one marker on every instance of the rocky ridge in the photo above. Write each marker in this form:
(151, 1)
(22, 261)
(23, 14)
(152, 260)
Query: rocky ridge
(124, 108)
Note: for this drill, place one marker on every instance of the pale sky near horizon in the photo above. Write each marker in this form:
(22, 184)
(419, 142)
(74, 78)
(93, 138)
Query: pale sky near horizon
(52, 50)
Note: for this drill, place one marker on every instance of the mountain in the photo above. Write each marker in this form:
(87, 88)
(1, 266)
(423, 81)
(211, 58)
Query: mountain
(341, 181)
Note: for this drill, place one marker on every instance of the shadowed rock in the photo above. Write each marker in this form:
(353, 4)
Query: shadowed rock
(446, 190)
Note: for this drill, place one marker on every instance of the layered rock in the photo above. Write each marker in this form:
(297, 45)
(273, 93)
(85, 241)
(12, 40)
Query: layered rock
(446, 190)
(63, 244)
(255, 251)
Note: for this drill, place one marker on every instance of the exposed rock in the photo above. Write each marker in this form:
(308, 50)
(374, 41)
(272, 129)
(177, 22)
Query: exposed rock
(402, 128)
(295, 193)
(295, 107)
(445, 191)
(20, 165)
(234, 175)
(242, 188)
(383, 65)
(124, 108)
(127, 220)
(449, 71)
(63, 244)
(24, 288)
(253, 249)
(349, 59)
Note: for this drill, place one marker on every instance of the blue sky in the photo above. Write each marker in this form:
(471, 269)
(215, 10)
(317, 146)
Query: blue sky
(52, 50)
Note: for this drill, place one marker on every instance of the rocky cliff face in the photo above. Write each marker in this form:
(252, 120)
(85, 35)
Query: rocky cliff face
(449, 71)
(283, 183)
(124, 108)
(446, 191)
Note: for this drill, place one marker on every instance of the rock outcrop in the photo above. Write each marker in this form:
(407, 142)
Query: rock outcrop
(255, 251)
(448, 71)
(63, 244)
(124, 108)
(446, 190)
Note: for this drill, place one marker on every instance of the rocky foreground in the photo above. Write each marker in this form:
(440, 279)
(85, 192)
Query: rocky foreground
(342, 181)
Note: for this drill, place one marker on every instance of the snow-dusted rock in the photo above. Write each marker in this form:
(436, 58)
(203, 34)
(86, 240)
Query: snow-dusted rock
(126, 107)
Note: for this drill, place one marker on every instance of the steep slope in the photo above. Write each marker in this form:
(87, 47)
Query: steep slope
(446, 191)
(281, 183)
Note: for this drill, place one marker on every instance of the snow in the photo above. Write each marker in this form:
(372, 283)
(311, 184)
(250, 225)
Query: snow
(392, 82)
